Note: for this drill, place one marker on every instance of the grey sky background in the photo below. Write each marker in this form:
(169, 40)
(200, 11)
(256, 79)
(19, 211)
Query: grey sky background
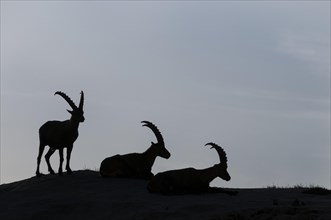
(252, 76)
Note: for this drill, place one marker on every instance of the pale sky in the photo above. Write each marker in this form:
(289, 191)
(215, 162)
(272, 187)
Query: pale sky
(251, 76)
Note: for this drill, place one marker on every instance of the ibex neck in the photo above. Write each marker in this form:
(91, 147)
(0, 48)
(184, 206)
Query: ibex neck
(209, 174)
(74, 124)
(150, 156)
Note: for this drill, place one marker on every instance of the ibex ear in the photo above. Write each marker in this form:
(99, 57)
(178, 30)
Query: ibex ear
(70, 111)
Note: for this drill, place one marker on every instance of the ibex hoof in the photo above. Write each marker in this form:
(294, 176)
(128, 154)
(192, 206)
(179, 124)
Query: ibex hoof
(69, 171)
(52, 172)
(39, 174)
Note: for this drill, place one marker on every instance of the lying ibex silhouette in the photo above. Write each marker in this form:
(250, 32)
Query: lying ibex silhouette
(136, 165)
(190, 180)
(60, 134)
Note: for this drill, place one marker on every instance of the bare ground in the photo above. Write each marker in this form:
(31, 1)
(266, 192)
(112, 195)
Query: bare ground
(85, 195)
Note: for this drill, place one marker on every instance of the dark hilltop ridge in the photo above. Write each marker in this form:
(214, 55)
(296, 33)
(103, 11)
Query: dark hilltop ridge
(86, 195)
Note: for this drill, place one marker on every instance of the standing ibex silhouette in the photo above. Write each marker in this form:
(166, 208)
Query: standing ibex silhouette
(60, 134)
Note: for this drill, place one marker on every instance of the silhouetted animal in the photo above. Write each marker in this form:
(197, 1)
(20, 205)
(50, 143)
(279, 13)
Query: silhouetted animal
(60, 134)
(190, 180)
(136, 165)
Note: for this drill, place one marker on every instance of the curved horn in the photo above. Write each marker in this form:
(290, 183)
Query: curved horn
(70, 102)
(81, 102)
(220, 151)
(156, 131)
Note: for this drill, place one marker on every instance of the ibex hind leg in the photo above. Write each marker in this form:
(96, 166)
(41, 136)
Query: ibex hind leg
(41, 150)
(69, 149)
(47, 156)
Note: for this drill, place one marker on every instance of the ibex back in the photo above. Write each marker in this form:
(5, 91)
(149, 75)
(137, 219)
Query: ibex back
(60, 134)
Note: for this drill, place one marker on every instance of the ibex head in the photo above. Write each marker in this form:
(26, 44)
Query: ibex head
(76, 112)
(223, 165)
(159, 147)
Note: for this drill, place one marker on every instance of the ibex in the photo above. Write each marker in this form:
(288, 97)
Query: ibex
(190, 180)
(136, 165)
(60, 134)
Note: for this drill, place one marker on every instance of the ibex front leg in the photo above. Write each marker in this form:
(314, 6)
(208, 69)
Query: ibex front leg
(61, 160)
(69, 149)
(41, 150)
